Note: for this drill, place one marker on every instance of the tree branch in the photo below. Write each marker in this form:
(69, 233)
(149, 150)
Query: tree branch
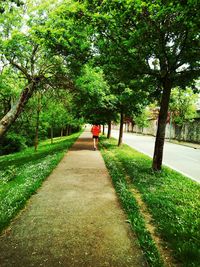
(21, 68)
(32, 58)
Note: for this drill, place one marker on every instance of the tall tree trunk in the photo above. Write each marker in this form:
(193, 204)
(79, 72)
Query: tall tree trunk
(109, 129)
(37, 121)
(103, 129)
(67, 130)
(61, 132)
(162, 119)
(51, 134)
(121, 129)
(17, 108)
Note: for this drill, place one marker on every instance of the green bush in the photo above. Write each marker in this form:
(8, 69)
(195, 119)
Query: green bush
(11, 143)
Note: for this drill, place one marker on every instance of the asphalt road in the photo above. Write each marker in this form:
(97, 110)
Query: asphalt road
(185, 160)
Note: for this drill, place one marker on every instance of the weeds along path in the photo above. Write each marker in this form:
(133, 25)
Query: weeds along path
(74, 219)
(155, 250)
(170, 237)
(22, 173)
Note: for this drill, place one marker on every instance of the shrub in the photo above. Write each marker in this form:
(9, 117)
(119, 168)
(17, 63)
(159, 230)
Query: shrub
(12, 142)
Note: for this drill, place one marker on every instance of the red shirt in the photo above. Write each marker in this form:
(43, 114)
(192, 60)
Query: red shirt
(96, 129)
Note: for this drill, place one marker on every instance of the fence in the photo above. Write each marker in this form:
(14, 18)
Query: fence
(189, 132)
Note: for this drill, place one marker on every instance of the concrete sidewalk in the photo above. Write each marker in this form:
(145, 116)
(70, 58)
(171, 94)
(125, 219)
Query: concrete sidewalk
(73, 220)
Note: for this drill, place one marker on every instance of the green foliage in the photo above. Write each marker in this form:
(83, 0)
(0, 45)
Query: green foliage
(93, 82)
(132, 34)
(139, 47)
(94, 98)
(58, 111)
(8, 5)
(142, 120)
(172, 199)
(34, 58)
(55, 108)
(182, 105)
(111, 53)
(156, 42)
(64, 34)
(10, 16)
(9, 174)
(55, 115)
(12, 142)
(10, 87)
(21, 174)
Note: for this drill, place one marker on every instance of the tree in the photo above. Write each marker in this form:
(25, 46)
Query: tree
(182, 105)
(159, 39)
(6, 5)
(142, 119)
(97, 104)
(131, 101)
(30, 64)
(109, 38)
(10, 85)
(64, 33)
(168, 33)
(30, 55)
(54, 115)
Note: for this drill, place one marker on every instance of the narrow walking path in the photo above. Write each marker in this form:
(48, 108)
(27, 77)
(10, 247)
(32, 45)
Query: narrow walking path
(73, 220)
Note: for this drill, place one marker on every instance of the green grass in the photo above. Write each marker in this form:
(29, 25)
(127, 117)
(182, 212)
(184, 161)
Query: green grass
(22, 173)
(172, 199)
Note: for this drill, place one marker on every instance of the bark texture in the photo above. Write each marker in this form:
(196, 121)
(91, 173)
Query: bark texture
(121, 128)
(103, 129)
(61, 132)
(162, 119)
(51, 134)
(109, 130)
(17, 108)
(68, 130)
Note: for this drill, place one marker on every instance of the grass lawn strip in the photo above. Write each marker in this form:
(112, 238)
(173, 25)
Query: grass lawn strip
(131, 207)
(164, 251)
(172, 199)
(22, 173)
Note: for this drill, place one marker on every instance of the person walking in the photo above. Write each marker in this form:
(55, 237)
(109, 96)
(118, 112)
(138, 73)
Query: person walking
(95, 130)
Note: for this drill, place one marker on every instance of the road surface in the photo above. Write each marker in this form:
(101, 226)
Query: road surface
(185, 160)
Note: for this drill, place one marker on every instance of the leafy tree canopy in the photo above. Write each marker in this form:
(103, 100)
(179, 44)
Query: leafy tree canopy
(183, 105)
(94, 98)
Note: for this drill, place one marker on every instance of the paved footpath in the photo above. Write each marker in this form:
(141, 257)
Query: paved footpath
(73, 220)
